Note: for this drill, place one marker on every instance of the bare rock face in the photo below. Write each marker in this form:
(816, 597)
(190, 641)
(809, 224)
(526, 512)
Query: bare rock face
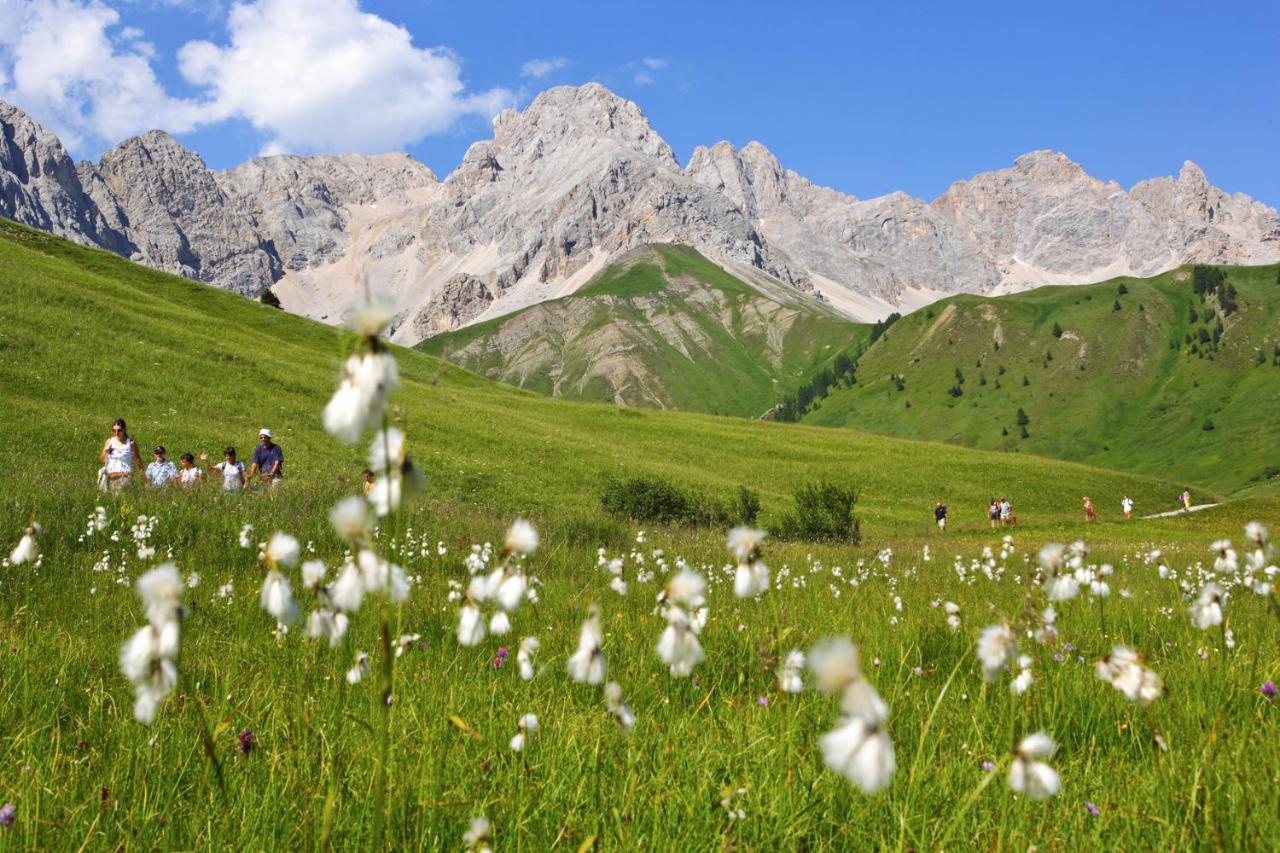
(882, 248)
(39, 185)
(1202, 224)
(309, 207)
(179, 218)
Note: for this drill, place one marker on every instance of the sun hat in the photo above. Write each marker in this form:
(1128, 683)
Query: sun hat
(264, 431)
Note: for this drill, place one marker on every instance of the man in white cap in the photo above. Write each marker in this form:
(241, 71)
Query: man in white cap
(268, 460)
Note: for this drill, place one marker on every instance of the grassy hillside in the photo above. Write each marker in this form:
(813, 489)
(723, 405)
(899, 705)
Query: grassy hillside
(1142, 375)
(663, 327)
(267, 742)
(86, 337)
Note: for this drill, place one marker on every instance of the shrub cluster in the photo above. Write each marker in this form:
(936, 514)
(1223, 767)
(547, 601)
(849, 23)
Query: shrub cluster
(823, 513)
(655, 500)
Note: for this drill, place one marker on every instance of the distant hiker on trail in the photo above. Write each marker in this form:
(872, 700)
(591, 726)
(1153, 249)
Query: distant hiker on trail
(1006, 512)
(1185, 498)
(993, 512)
(162, 470)
(368, 480)
(232, 472)
(1089, 514)
(119, 454)
(191, 475)
(940, 515)
(268, 460)
(1126, 503)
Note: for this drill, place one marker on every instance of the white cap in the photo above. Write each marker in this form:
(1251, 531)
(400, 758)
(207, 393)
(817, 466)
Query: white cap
(264, 431)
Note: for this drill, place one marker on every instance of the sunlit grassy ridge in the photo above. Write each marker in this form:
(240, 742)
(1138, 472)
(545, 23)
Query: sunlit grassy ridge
(1134, 374)
(85, 337)
(663, 327)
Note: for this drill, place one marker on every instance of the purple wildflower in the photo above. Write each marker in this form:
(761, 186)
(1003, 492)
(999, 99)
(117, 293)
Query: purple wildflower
(7, 813)
(248, 742)
(762, 701)
(502, 652)
(1069, 647)
(1269, 690)
(1058, 657)
(499, 661)
(1093, 810)
(988, 766)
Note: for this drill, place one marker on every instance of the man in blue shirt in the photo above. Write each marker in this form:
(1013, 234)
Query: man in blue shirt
(268, 460)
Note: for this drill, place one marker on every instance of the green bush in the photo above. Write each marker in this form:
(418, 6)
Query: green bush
(655, 500)
(268, 298)
(823, 513)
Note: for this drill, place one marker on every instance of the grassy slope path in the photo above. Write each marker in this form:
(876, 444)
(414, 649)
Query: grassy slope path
(86, 337)
(1120, 387)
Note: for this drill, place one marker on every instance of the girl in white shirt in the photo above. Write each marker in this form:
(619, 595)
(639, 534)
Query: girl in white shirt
(232, 471)
(118, 456)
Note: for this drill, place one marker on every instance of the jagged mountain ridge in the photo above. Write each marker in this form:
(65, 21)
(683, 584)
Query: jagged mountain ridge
(578, 178)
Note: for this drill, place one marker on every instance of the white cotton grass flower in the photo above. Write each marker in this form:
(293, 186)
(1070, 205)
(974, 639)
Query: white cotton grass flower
(382, 577)
(283, 549)
(620, 710)
(358, 672)
(479, 836)
(859, 749)
(1206, 610)
(1256, 533)
(1123, 670)
(835, 664)
(387, 450)
(361, 396)
(348, 590)
(618, 585)
(386, 495)
(1025, 678)
(499, 624)
(678, 647)
(313, 573)
(370, 316)
(791, 674)
(148, 658)
(744, 542)
(524, 656)
(246, 536)
(587, 664)
(277, 598)
(27, 548)
(1225, 560)
(350, 519)
(1027, 774)
(522, 538)
(511, 591)
(953, 615)
(526, 726)
(470, 625)
(752, 575)
(323, 623)
(687, 588)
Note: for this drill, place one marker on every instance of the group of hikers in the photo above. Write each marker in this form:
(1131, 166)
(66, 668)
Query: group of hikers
(1000, 512)
(121, 457)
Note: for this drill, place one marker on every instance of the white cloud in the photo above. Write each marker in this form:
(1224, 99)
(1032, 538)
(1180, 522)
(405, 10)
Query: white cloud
(642, 78)
(656, 63)
(312, 75)
(539, 68)
(321, 75)
(61, 61)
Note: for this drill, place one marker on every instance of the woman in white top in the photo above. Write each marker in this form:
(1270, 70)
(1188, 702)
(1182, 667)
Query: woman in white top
(232, 471)
(119, 454)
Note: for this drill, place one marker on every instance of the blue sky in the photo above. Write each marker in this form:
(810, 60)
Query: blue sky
(867, 99)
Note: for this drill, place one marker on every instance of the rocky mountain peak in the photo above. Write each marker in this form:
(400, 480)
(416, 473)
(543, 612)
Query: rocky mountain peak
(577, 115)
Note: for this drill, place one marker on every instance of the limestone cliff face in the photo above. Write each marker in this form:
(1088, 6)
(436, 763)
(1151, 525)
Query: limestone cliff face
(580, 177)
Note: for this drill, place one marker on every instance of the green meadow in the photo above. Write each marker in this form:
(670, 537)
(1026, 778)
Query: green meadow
(722, 760)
